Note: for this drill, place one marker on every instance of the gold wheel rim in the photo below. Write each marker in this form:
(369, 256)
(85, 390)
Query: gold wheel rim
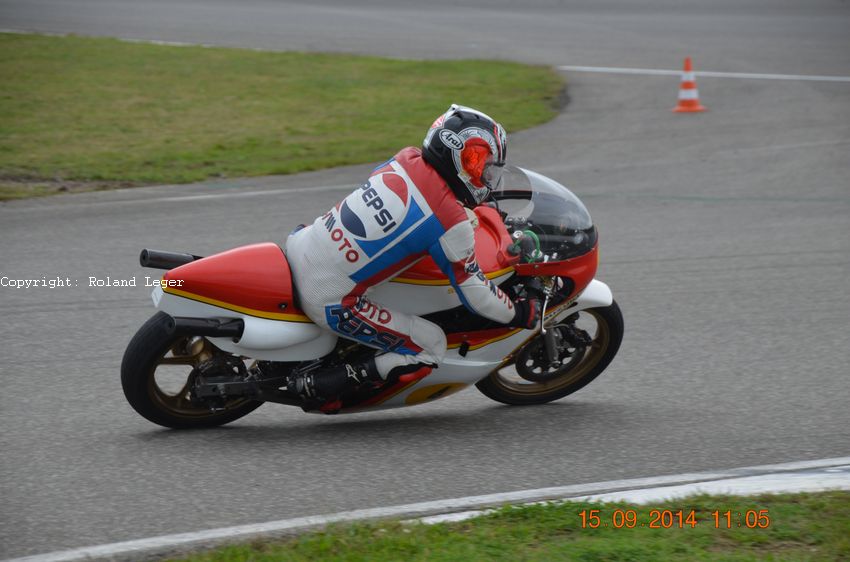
(189, 351)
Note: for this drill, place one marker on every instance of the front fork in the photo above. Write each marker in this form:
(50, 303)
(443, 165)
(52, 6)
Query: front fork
(556, 337)
(551, 338)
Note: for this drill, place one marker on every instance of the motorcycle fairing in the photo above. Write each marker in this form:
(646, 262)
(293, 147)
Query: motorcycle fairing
(262, 338)
(383, 395)
(487, 352)
(478, 339)
(580, 270)
(253, 280)
(253, 283)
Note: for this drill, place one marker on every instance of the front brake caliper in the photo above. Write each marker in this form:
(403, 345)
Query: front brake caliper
(574, 336)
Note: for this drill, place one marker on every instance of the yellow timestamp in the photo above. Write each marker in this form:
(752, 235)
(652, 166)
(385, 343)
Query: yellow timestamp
(673, 519)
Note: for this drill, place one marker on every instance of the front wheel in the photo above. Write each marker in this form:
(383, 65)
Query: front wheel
(158, 374)
(587, 342)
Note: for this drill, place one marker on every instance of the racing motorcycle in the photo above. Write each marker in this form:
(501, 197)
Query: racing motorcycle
(229, 333)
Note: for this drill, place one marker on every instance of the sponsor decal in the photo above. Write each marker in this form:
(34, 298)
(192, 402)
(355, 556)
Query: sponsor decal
(373, 312)
(342, 320)
(451, 139)
(351, 373)
(337, 235)
(369, 200)
(494, 289)
(383, 216)
(371, 213)
(351, 221)
(397, 185)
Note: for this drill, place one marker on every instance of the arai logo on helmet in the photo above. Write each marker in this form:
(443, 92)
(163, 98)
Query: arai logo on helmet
(451, 139)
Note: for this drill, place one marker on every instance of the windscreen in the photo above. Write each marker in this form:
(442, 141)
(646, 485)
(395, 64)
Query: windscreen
(535, 202)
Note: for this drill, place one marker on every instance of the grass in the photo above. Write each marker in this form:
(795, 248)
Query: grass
(77, 110)
(801, 527)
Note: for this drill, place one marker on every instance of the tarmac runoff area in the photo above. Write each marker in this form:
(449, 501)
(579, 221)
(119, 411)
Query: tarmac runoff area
(804, 476)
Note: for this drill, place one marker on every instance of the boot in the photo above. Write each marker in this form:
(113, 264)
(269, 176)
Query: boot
(334, 381)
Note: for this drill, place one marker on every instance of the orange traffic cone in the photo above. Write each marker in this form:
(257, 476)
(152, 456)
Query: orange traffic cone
(688, 93)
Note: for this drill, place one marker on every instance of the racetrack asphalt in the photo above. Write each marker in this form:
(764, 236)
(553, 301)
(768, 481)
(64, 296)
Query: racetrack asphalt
(725, 237)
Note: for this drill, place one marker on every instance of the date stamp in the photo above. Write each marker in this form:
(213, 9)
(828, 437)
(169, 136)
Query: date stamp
(673, 519)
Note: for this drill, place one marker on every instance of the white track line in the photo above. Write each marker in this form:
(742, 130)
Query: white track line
(170, 543)
(231, 193)
(240, 194)
(659, 72)
(598, 69)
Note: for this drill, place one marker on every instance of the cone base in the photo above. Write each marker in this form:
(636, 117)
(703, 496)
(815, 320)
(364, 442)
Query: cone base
(695, 109)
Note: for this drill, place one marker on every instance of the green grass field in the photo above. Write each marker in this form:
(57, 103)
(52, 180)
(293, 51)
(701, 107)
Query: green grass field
(783, 527)
(102, 112)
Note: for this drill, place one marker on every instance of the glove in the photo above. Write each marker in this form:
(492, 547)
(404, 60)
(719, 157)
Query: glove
(527, 314)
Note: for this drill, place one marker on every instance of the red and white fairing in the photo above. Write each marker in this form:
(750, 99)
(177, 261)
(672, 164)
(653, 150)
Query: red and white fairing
(253, 283)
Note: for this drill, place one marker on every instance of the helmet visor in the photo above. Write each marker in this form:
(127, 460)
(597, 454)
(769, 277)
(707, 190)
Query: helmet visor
(491, 176)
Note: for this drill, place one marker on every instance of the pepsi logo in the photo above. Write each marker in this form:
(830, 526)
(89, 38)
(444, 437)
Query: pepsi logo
(374, 210)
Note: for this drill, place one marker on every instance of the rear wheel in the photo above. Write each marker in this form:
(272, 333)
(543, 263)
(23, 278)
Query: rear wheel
(158, 374)
(587, 343)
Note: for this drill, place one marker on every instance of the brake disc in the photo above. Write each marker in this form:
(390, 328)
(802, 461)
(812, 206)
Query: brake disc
(533, 364)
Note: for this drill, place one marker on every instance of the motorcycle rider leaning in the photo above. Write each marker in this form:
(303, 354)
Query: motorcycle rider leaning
(413, 205)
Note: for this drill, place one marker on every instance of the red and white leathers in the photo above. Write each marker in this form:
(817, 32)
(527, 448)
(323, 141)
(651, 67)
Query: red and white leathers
(404, 212)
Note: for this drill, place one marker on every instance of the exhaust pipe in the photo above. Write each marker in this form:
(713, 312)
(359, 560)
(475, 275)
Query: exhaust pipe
(208, 327)
(165, 260)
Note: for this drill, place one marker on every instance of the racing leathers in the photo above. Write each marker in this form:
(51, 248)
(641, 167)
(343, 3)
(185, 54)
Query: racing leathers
(404, 212)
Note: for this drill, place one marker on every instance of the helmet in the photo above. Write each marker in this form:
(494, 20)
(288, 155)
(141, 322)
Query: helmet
(467, 148)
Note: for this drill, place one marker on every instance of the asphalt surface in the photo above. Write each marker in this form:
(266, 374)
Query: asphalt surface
(725, 237)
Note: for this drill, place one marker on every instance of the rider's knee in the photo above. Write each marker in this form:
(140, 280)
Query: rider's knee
(430, 338)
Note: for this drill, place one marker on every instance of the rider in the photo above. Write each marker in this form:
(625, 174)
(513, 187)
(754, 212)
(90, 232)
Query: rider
(413, 205)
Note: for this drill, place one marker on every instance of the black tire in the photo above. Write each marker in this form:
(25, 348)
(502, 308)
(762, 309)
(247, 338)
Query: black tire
(148, 350)
(606, 342)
